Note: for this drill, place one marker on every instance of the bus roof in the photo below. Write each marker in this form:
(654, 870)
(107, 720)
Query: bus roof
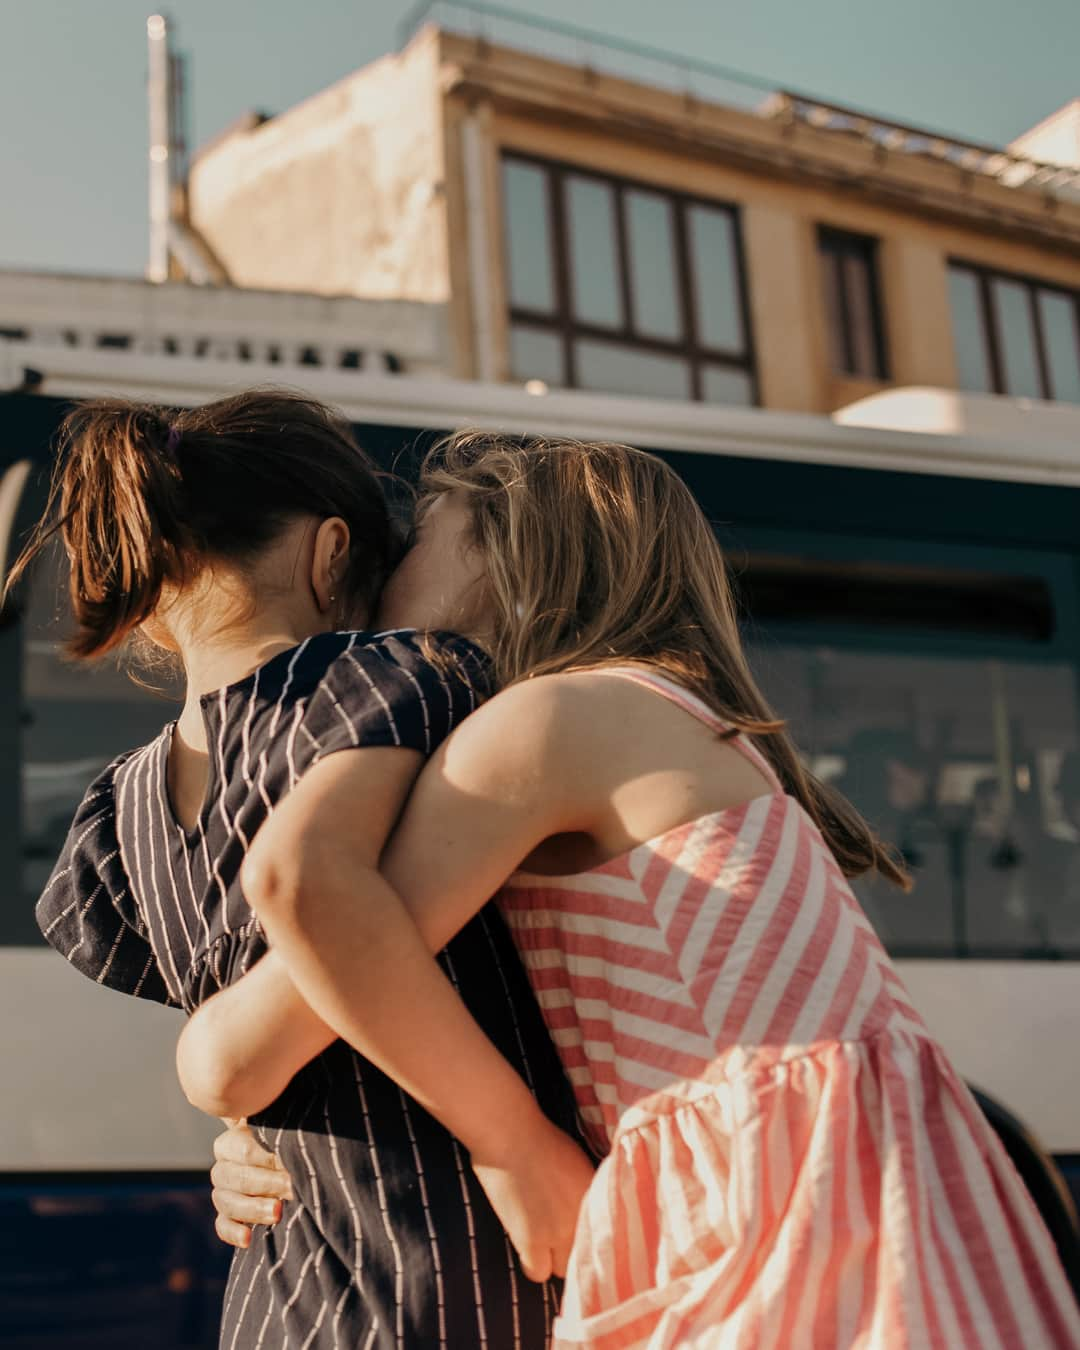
(913, 430)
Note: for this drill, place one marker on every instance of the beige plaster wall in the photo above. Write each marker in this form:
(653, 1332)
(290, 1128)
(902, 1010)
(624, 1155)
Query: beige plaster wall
(341, 195)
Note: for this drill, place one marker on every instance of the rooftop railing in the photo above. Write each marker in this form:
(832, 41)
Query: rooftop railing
(708, 82)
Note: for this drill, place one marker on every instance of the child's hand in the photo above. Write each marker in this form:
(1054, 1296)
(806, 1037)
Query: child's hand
(537, 1193)
(249, 1185)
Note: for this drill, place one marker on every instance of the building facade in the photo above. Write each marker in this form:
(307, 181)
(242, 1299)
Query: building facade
(586, 230)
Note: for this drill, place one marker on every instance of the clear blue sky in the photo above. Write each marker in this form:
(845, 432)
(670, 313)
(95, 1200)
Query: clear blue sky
(73, 106)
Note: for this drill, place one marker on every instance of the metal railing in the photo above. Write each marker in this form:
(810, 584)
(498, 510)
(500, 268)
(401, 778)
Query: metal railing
(708, 82)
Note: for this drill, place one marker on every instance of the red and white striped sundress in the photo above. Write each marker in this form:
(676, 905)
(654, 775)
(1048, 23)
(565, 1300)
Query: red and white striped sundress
(791, 1161)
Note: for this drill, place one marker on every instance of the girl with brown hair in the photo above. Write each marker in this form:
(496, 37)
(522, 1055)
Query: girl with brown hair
(249, 537)
(790, 1159)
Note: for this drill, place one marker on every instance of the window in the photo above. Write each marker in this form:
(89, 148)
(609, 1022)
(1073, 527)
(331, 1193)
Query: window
(1014, 335)
(959, 741)
(852, 304)
(620, 287)
(74, 721)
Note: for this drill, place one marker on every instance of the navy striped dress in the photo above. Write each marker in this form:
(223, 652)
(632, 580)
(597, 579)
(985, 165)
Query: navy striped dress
(390, 1243)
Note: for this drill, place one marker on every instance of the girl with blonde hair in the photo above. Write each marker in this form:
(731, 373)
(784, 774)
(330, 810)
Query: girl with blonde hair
(789, 1159)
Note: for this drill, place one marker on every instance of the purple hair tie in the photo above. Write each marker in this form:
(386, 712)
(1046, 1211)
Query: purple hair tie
(172, 443)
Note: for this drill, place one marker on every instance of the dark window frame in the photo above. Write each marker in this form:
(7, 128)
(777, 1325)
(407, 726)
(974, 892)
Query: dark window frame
(983, 276)
(562, 323)
(1052, 564)
(845, 244)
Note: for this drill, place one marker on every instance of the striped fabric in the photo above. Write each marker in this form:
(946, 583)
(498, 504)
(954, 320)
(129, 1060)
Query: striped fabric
(791, 1160)
(390, 1244)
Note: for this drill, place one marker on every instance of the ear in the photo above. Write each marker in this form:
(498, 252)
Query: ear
(329, 563)
(159, 633)
(156, 626)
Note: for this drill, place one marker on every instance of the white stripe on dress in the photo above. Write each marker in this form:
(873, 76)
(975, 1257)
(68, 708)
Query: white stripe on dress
(380, 1191)
(436, 1258)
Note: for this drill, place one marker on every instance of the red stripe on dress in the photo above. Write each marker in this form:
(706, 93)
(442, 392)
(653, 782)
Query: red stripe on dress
(868, 1166)
(640, 1050)
(769, 943)
(802, 1202)
(709, 865)
(898, 1095)
(565, 942)
(585, 902)
(656, 874)
(842, 1247)
(962, 1310)
(847, 989)
(744, 893)
(1046, 1301)
(804, 975)
(664, 1012)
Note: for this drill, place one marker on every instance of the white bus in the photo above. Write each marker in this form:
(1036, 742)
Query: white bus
(911, 603)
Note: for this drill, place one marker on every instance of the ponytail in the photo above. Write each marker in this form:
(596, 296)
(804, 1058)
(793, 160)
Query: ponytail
(143, 499)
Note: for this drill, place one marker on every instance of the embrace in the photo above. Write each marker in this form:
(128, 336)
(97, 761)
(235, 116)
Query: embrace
(506, 915)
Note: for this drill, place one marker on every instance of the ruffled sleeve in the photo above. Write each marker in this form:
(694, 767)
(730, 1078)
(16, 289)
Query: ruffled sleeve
(403, 689)
(88, 912)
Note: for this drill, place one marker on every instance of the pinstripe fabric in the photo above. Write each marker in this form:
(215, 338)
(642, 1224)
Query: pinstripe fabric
(390, 1243)
(791, 1160)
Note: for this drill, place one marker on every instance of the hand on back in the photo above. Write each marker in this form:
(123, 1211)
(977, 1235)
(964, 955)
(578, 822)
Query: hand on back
(250, 1186)
(537, 1194)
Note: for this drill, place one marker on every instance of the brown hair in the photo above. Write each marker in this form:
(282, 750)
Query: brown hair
(143, 497)
(598, 554)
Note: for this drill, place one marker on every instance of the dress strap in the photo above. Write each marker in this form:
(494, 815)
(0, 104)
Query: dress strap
(674, 692)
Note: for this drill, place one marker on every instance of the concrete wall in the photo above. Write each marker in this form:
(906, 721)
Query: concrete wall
(341, 195)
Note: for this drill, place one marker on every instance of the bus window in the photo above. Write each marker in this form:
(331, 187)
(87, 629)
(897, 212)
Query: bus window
(74, 721)
(966, 761)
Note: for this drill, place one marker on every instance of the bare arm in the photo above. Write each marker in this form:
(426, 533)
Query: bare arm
(363, 961)
(240, 1050)
(352, 948)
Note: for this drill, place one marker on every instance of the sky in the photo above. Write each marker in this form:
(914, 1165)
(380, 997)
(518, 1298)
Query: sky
(73, 82)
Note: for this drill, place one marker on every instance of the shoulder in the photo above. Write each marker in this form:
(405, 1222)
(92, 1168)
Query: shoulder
(95, 817)
(87, 910)
(559, 718)
(91, 853)
(436, 656)
(402, 688)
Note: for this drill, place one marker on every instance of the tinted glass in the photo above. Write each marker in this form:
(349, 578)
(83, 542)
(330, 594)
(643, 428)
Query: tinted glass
(528, 236)
(1062, 339)
(536, 355)
(721, 384)
(593, 252)
(1016, 334)
(833, 286)
(858, 288)
(969, 765)
(75, 720)
(969, 333)
(628, 370)
(715, 272)
(653, 285)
